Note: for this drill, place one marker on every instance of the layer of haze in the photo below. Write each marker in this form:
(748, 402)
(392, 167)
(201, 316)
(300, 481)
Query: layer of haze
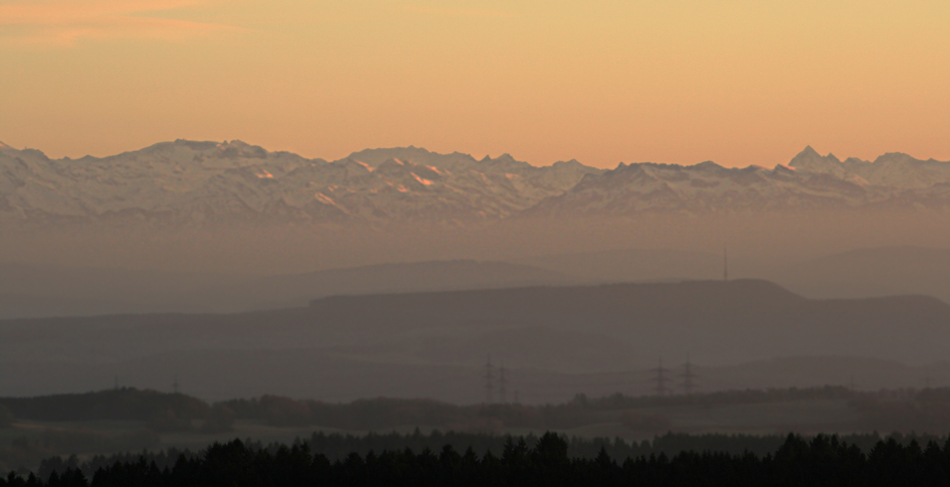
(739, 82)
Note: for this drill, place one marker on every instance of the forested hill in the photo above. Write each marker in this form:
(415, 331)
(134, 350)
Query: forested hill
(131, 404)
(125, 404)
(905, 410)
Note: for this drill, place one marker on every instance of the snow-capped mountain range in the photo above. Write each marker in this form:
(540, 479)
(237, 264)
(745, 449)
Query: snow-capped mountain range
(211, 183)
(894, 181)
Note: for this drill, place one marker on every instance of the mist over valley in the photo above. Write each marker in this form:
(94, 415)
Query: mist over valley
(445, 291)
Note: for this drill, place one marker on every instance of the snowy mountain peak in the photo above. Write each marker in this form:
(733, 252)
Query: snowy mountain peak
(708, 166)
(811, 161)
(376, 157)
(201, 183)
(895, 158)
(810, 182)
(195, 183)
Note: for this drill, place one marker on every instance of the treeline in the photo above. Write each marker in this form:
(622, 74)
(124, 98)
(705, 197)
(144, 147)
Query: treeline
(124, 404)
(134, 404)
(887, 410)
(742, 396)
(822, 461)
(336, 447)
(900, 410)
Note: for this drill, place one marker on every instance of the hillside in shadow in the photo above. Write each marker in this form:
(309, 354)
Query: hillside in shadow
(555, 341)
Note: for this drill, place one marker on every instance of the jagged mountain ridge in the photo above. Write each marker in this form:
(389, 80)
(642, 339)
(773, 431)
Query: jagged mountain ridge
(894, 181)
(210, 183)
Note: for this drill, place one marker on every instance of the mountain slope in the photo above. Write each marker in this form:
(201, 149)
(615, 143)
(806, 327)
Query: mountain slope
(298, 289)
(208, 183)
(44, 291)
(715, 321)
(809, 182)
(351, 346)
(199, 184)
(873, 272)
(632, 265)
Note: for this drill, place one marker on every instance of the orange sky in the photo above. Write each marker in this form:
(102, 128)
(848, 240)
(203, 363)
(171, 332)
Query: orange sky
(735, 81)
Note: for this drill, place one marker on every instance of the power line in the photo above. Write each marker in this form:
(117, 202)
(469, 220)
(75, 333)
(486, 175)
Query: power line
(503, 384)
(660, 379)
(688, 378)
(489, 382)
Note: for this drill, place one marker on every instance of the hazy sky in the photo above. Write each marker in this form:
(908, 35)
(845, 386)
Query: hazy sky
(736, 81)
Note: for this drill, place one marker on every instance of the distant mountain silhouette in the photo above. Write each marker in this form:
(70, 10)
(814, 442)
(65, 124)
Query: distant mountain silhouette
(207, 184)
(716, 321)
(811, 182)
(873, 272)
(191, 184)
(402, 278)
(46, 290)
(356, 343)
(631, 265)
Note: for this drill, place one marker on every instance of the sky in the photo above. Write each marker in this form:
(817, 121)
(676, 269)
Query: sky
(738, 82)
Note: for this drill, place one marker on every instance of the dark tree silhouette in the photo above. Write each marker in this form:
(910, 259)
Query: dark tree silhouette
(824, 461)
